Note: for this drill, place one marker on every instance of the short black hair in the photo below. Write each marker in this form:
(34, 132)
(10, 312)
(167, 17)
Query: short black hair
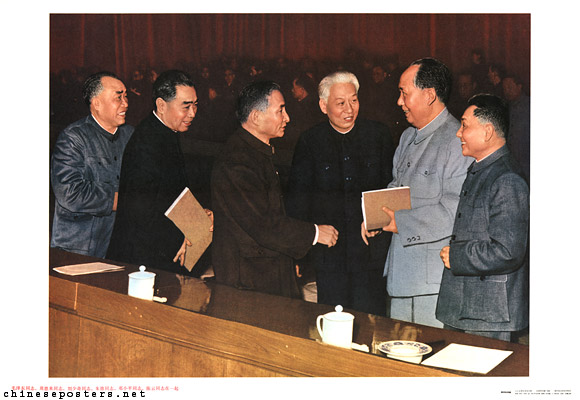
(305, 81)
(434, 74)
(165, 86)
(491, 109)
(255, 96)
(93, 85)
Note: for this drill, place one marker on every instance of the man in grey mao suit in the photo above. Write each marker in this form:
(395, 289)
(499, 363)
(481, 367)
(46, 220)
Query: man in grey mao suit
(484, 289)
(429, 161)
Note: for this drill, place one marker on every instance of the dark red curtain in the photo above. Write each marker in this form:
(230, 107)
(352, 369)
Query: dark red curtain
(122, 42)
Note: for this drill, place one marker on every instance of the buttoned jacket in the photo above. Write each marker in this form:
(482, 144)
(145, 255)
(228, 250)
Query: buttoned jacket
(431, 163)
(329, 172)
(487, 286)
(84, 171)
(254, 241)
(152, 176)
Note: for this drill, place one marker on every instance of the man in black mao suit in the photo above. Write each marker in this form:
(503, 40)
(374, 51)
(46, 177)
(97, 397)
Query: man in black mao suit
(333, 163)
(152, 176)
(254, 241)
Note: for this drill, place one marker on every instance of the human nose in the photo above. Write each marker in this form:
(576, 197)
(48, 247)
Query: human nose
(286, 117)
(458, 133)
(400, 100)
(192, 111)
(125, 101)
(348, 107)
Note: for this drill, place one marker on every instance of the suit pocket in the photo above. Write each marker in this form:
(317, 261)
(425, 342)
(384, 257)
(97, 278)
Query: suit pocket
(485, 300)
(425, 184)
(260, 269)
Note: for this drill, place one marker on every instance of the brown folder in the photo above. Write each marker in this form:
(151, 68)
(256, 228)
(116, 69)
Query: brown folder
(190, 217)
(373, 201)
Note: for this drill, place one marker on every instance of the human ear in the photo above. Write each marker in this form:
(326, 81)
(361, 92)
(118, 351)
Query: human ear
(489, 131)
(96, 103)
(431, 95)
(255, 117)
(161, 105)
(322, 105)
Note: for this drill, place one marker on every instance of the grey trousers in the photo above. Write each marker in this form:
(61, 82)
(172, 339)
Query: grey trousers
(417, 309)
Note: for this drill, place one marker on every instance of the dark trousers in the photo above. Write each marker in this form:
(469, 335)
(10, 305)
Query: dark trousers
(501, 335)
(361, 291)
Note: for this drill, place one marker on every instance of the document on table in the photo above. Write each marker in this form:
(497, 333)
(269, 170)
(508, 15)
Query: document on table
(87, 268)
(467, 358)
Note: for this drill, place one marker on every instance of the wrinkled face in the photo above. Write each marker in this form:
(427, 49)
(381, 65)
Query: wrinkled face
(342, 106)
(472, 135)
(413, 101)
(110, 105)
(178, 113)
(273, 120)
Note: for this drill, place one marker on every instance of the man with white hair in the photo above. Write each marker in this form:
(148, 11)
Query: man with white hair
(334, 162)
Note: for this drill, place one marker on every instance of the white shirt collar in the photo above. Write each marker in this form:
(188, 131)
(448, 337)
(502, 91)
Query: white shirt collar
(160, 120)
(102, 125)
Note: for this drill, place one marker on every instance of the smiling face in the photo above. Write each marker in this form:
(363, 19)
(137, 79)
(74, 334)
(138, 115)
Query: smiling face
(414, 101)
(474, 136)
(110, 105)
(342, 106)
(178, 113)
(271, 123)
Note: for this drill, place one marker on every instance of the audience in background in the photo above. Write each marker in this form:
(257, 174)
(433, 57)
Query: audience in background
(518, 138)
(464, 87)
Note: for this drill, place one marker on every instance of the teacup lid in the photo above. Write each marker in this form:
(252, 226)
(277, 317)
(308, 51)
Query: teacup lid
(339, 315)
(142, 274)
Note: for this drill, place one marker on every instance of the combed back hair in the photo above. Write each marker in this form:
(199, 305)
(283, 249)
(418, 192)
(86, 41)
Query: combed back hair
(93, 85)
(165, 86)
(493, 110)
(255, 96)
(434, 74)
(336, 77)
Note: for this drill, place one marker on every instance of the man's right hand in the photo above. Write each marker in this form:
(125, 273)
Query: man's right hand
(327, 235)
(180, 256)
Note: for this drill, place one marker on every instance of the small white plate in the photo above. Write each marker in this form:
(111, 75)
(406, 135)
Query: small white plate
(404, 348)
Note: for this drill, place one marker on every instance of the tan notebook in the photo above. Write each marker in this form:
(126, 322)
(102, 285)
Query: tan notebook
(190, 217)
(373, 201)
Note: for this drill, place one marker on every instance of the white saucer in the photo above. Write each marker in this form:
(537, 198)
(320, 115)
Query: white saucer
(404, 348)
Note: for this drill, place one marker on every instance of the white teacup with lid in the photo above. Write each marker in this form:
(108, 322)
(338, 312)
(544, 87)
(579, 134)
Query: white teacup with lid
(141, 284)
(335, 327)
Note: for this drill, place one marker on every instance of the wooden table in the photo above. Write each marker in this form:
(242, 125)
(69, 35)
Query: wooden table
(206, 329)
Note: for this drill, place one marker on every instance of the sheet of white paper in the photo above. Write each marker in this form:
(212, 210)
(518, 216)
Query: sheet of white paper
(88, 268)
(467, 358)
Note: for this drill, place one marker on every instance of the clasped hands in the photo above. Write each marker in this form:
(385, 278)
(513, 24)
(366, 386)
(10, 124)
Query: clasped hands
(391, 227)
